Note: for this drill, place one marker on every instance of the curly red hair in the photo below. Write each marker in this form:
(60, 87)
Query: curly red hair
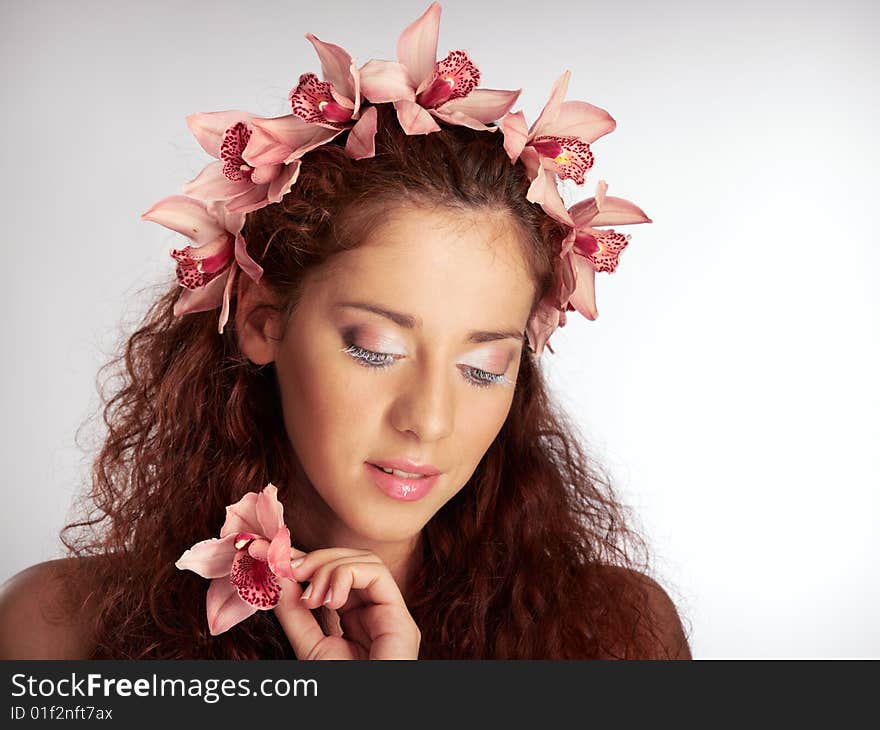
(534, 558)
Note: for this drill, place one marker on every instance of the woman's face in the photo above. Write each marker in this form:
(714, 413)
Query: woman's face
(447, 385)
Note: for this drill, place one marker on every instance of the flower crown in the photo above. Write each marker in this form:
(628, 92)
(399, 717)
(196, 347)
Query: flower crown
(258, 160)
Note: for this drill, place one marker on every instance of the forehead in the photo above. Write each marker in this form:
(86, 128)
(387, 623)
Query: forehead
(450, 270)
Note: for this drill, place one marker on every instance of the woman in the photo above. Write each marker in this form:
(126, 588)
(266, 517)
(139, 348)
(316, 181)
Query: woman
(400, 287)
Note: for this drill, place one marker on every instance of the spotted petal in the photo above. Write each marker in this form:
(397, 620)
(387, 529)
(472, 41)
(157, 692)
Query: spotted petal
(254, 580)
(203, 299)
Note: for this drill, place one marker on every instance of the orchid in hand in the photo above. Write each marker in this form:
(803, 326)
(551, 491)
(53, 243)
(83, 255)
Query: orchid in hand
(245, 185)
(244, 563)
(220, 249)
(423, 88)
(558, 142)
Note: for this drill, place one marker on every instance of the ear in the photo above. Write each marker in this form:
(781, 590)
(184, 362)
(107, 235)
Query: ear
(258, 326)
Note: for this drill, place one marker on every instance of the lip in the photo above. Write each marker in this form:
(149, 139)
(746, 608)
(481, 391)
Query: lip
(407, 465)
(400, 488)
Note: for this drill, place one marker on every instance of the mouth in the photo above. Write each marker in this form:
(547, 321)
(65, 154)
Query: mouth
(402, 486)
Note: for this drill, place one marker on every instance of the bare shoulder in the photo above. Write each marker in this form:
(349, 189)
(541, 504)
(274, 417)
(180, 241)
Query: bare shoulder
(663, 615)
(35, 617)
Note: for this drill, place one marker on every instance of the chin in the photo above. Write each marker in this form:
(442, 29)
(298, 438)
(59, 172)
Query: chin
(387, 527)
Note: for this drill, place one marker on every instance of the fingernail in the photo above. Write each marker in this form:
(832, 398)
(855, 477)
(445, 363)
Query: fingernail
(329, 596)
(295, 563)
(306, 593)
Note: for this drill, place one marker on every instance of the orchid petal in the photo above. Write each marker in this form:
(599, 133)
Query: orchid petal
(612, 211)
(582, 120)
(385, 81)
(484, 105)
(414, 119)
(361, 140)
(456, 117)
(232, 222)
(279, 554)
(269, 511)
(265, 173)
(209, 558)
(292, 132)
(256, 584)
(203, 299)
(516, 134)
(583, 299)
(551, 108)
(417, 45)
(541, 325)
(253, 199)
(259, 548)
(241, 516)
(187, 216)
(225, 607)
(263, 149)
(212, 184)
(282, 184)
(210, 127)
(227, 293)
(543, 190)
(197, 266)
(335, 65)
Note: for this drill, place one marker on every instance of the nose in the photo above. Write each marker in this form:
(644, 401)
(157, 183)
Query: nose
(426, 404)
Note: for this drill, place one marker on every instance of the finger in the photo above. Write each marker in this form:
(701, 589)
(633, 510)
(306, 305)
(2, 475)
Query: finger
(317, 558)
(319, 582)
(372, 579)
(300, 626)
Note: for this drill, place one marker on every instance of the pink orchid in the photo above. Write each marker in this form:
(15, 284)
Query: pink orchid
(220, 248)
(243, 564)
(584, 251)
(423, 88)
(335, 103)
(594, 249)
(558, 142)
(245, 185)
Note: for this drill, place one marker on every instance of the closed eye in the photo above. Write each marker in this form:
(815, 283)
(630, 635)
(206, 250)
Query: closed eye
(378, 360)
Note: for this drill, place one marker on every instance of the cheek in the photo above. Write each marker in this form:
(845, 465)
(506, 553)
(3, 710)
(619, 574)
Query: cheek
(326, 411)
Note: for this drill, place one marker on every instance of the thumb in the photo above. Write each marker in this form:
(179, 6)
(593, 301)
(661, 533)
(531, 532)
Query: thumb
(300, 626)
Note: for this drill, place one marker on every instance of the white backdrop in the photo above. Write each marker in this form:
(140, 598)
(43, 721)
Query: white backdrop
(730, 382)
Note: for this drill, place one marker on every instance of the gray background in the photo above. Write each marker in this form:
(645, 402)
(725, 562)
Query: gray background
(730, 382)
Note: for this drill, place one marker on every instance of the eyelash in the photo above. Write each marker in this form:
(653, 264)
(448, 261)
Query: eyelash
(371, 359)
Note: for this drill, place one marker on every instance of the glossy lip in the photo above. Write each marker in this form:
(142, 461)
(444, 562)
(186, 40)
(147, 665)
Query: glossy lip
(400, 488)
(406, 465)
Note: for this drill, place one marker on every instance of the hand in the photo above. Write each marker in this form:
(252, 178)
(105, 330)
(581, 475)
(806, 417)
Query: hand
(374, 618)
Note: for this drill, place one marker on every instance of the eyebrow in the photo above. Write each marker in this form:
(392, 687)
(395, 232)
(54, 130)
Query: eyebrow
(409, 322)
